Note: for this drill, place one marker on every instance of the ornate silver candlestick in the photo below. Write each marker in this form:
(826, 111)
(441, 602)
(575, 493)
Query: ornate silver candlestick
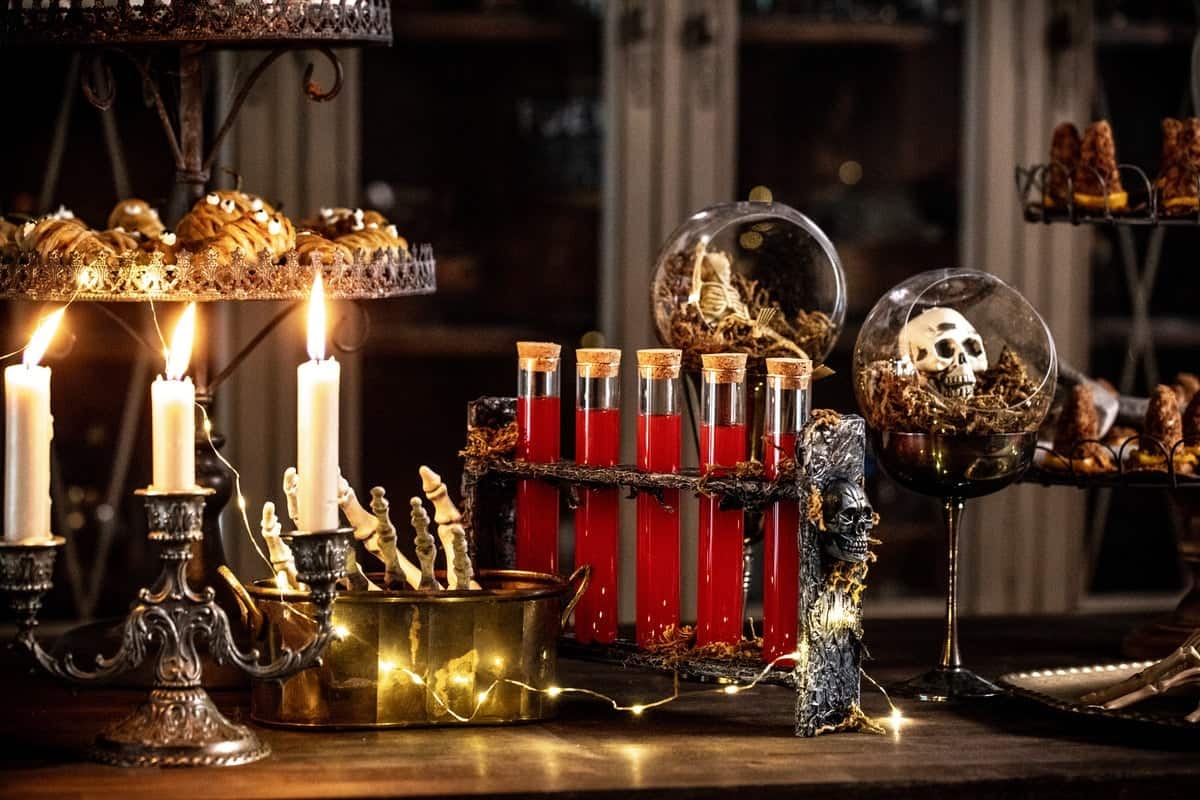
(179, 725)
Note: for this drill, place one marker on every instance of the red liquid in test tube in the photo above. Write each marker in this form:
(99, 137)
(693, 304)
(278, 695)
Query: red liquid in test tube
(597, 525)
(787, 409)
(722, 446)
(538, 433)
(659, 440)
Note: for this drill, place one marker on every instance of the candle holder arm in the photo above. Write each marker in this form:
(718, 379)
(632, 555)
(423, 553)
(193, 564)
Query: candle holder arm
(26, 574)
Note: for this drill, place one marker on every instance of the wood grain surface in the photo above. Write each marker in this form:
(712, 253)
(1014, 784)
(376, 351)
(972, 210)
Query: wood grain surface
(708, 745)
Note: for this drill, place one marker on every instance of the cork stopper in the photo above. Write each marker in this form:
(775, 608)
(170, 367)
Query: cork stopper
(724, 367)
(598, 362)
(538, 356)
(659, 363)
(790, 373)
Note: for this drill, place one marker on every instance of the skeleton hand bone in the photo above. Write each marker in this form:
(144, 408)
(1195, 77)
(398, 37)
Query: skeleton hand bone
(367, 530)
(1180, 668)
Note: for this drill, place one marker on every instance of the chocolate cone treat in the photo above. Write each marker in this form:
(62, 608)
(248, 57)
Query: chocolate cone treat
(1177, 178)
(1064, 156)
(1191, 422)
(1188, 457)
(1163, 428)
(1097, 182)
(1075, 448)
(1187, 384)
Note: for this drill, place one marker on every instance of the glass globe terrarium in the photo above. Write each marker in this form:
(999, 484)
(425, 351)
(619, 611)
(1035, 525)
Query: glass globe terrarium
(753, 277)
(954, 371)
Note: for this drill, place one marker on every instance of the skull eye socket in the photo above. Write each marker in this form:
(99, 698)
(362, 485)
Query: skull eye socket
(944, 347)
(974, 347)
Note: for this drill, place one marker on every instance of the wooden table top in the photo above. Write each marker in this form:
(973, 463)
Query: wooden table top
(710, 745)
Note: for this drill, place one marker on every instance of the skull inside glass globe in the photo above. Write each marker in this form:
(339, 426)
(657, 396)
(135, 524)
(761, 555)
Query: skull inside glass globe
(756, 277)
(955, 352)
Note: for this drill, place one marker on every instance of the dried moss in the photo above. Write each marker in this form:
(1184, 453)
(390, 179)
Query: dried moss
(1004, 401)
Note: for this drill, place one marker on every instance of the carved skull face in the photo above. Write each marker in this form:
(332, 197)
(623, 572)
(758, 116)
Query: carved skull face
(848, 520)
(947, 348)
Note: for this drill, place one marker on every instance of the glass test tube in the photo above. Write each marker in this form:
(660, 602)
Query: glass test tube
(659, 441)
(598, 444)
(538, 434)
(788, 405)
(722, 446)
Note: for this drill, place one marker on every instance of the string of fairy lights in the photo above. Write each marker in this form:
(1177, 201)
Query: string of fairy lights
(895, 719)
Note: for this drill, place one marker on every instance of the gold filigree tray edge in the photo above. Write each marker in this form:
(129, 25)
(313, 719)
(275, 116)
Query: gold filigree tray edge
(136, 276)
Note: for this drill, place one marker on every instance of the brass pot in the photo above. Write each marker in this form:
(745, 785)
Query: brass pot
(407, 658)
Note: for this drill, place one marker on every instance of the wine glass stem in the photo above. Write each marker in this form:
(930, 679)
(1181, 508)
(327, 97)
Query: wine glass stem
(952, 510)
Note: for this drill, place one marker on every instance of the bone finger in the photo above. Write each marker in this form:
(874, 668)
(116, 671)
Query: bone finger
(1154, 688)
(1147, 676)
(446, 536)
(444, 510)
(1156, 673)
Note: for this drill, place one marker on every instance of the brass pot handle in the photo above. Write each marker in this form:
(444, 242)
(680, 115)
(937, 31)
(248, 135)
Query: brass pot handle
(581, 578)
(252, 618)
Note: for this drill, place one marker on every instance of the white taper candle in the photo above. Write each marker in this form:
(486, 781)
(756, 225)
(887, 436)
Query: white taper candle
(173, 413)
(28, 429)
(317, 425)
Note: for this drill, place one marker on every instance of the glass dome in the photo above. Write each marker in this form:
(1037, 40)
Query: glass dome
(954, 352)
(752, 277)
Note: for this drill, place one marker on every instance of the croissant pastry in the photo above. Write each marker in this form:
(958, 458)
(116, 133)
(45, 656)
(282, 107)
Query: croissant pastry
(334, 222)
(136, 216)
(65, 238)
(229, 222)
(309, 244)
(118, 239)
(8, 234)
(166, 244)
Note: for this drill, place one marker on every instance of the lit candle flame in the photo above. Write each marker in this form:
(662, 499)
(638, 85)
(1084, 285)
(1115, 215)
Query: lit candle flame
(180, 352)
(41, 338)
(316, 321)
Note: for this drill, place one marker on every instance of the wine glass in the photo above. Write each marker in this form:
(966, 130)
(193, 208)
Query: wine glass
(954, 371)
(952, 468)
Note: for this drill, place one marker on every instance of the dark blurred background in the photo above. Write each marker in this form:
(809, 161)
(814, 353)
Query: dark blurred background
(488, 129)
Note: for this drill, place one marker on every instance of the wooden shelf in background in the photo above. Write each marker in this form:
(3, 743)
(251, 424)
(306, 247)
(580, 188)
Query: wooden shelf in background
(489, 27)
(783, 29)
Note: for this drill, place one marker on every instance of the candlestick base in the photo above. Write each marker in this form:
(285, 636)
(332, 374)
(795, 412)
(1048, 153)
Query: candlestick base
(178, 728)
(178, 725)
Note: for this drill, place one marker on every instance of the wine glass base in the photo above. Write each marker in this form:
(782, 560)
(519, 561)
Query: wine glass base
(946, 685)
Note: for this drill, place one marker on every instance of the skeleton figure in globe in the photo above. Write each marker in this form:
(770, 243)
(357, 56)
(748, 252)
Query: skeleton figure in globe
(848, 520)
(719, 301)
(944, 346)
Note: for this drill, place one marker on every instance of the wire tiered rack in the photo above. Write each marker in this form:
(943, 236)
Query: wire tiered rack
(1175, 473)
